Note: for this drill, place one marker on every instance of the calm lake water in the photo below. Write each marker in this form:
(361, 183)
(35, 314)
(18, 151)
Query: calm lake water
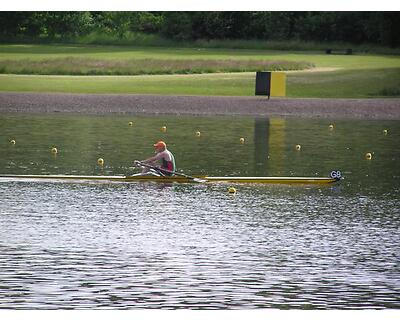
(130, 245)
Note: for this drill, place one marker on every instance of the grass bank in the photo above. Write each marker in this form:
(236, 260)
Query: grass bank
(340, 84)
(355, 76)
(90, 66)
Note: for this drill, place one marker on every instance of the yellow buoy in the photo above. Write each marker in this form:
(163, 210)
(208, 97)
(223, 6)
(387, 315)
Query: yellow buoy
(331, 127)
(385, 132)
(241, 140)
(298, 147)
(54, 150)
(100, 161)
(130, 123)
(232, 190)
(198, 133)
(164, 129)
(368, 156)
(12, 141)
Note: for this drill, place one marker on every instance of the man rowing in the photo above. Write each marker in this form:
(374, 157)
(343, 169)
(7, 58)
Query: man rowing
(164, 159)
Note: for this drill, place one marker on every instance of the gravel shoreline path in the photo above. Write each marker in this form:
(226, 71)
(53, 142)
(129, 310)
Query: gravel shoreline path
(382, 109)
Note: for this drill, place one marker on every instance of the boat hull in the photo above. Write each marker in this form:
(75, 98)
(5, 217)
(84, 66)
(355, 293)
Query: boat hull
(178, 179)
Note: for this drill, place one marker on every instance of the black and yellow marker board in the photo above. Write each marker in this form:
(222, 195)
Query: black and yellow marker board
(271, 84)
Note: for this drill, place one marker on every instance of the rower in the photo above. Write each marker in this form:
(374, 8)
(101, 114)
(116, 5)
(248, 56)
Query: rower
(164, 157)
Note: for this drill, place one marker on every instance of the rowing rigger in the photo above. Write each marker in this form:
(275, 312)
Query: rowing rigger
(334, 177)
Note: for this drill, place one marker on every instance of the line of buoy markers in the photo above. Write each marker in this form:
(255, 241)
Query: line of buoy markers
(231, 190)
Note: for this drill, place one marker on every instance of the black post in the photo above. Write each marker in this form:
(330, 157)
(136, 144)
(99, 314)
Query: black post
(263, 84)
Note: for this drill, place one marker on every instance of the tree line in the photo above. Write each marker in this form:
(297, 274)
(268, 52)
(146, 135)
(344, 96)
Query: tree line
(381, 28)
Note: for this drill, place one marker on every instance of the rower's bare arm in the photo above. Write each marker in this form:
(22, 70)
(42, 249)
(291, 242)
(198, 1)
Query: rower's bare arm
(150, 160)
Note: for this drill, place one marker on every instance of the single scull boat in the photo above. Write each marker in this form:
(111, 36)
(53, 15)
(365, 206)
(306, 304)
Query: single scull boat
(334, 177)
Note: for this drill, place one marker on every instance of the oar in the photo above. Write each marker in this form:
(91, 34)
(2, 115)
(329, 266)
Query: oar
(170, 172)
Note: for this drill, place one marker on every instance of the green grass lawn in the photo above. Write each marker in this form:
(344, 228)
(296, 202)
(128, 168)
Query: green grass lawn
(356, 76)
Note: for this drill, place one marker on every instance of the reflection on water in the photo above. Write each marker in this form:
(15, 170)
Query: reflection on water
(116, 245)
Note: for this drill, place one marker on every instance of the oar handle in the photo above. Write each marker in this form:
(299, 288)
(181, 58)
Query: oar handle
(153, 167)
(167, 171)
(157, 168)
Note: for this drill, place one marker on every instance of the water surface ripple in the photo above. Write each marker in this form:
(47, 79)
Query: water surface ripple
(135, 246)
(146, 245)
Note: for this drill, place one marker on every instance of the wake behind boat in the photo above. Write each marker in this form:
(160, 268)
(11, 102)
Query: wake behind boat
(334, 177)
